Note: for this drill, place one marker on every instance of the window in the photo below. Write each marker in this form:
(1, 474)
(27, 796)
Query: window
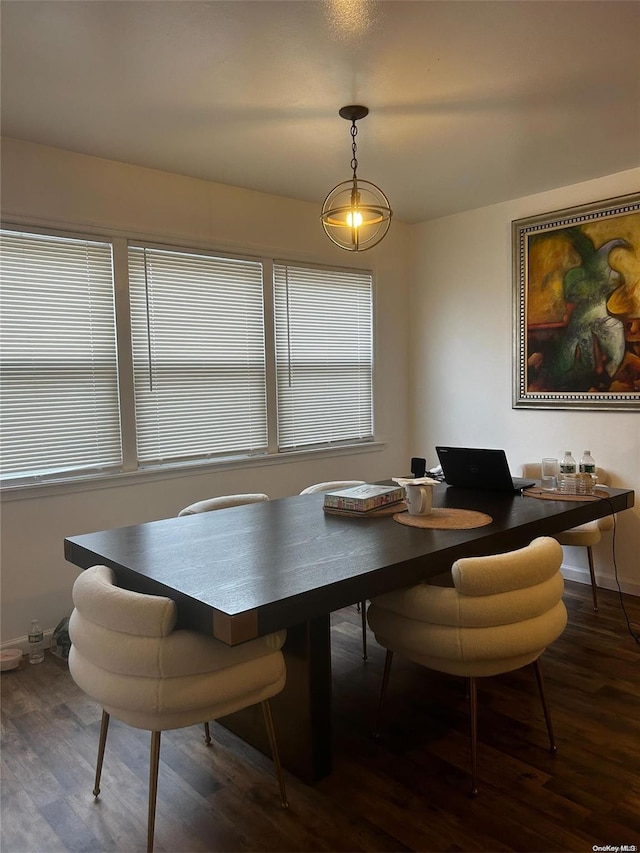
(324, 356)
(59, 377)
(197, 328)
(120, 355)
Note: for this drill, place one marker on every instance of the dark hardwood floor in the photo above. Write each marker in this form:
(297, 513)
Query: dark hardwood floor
(405, 791)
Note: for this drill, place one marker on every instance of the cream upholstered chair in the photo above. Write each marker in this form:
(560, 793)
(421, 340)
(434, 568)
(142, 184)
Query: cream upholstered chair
(222, 502)
(127, 656)
(584, 535)
(332, 486)
(499, 616)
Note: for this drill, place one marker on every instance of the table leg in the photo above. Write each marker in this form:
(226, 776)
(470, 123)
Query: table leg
(302, 711)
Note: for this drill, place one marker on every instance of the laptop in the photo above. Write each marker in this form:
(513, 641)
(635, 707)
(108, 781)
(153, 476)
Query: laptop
(478, 468)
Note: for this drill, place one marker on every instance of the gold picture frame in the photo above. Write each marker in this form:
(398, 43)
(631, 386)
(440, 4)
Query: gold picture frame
(576, 277)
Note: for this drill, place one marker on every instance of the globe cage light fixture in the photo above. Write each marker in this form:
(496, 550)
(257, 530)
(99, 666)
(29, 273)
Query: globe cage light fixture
(356, 214)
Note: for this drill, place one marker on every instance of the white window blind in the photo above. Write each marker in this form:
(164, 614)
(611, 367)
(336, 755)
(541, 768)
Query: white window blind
(60, 409)
(198, 355)
(324, 356)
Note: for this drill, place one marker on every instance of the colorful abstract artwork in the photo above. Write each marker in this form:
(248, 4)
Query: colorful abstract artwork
(577, 307)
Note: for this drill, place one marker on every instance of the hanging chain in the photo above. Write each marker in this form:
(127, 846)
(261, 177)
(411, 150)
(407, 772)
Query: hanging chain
(354, 147)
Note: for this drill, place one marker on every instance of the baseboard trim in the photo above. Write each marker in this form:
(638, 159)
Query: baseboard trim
(606, 581)
(22, 643)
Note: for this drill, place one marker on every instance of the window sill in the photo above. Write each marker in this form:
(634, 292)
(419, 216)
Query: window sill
(95, 482)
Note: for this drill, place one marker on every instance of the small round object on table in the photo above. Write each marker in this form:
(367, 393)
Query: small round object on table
(10, 659)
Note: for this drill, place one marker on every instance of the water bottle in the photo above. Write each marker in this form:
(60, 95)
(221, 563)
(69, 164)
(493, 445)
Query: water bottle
(36, 638)
(587, 463)
(568, 463)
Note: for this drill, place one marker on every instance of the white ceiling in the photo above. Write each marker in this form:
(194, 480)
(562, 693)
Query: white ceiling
(471, 101)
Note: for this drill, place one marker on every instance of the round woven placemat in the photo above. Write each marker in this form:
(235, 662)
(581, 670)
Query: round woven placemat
(374, 513)
(445, 518)
(537, 492)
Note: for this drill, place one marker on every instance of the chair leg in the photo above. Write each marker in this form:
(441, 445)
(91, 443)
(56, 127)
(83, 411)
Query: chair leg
(385, 681)
(268, 721)
(104, 728)
(538, 669)
(154, 762)
(207, 734)
(594, 585)
(473, 721)
(363, 613)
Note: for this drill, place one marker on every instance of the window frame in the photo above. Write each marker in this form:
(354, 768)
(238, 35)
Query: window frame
(131, 470)
(357, 271)
(49, 333)
(191, 268)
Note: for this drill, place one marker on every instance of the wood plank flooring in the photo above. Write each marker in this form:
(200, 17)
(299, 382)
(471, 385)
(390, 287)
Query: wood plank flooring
(405, 791)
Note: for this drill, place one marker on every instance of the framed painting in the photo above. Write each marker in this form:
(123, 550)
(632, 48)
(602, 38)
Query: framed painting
(576, 275)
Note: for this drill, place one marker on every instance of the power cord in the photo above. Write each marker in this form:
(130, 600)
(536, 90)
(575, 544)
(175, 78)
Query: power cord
(635, 636)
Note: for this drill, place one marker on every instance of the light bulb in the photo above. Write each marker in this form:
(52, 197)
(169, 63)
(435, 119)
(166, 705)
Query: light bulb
(354, 219)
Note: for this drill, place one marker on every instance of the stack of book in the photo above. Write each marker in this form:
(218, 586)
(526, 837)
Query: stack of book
(366, 498)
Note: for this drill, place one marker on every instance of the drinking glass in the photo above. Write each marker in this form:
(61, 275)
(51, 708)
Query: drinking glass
(549, 474)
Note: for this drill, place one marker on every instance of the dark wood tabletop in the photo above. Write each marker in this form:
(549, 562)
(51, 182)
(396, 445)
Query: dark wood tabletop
(248, 570)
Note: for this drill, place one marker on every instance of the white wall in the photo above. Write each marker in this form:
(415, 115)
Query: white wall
(461, 356)
(56, 187)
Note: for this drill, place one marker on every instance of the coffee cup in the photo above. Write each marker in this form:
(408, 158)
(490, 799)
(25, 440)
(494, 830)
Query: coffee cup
(419, 498)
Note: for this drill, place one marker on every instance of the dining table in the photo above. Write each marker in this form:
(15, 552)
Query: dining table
(246, 571)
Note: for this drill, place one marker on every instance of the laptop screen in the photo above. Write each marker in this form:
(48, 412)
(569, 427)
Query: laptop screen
(478, 468)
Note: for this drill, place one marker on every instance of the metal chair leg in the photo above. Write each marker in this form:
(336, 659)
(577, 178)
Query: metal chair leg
(363, 613)
(207, 734)
(154, 762)
(268, 721)
(538, 669)
(473, 720)
(104, 728)
(385, 681)
(594, 585)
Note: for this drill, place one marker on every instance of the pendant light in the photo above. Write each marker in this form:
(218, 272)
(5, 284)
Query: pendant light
(356, 214)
